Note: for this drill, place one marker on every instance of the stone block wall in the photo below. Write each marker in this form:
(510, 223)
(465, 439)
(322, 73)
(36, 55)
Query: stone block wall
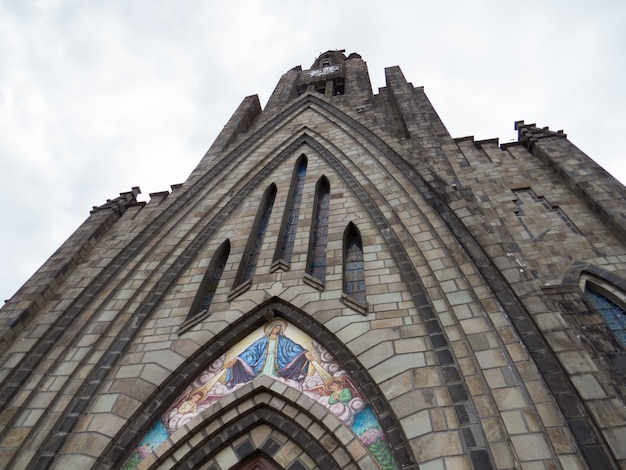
(468, 349)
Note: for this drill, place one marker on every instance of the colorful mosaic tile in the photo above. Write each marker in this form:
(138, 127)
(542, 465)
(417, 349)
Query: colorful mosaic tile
(282, 351)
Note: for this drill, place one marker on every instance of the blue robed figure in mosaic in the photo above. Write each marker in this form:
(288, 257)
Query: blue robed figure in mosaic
(317, 375)
(274, 354)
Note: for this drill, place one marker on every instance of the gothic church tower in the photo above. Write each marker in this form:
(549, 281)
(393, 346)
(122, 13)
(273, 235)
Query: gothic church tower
(339, 284)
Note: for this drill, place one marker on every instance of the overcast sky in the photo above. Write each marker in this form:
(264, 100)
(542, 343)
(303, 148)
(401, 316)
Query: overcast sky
(100, 96)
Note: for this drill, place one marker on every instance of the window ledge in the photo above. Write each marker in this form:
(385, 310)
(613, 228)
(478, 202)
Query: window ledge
(354, 304)
(193, 321)
(313, 282)
(279, 265)
(240, 289)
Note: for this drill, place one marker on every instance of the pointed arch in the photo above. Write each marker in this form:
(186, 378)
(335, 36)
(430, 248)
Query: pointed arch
(289, 226)
(408, 273)
(609, 301)
(201, 304)
(287, 356)
(301, 424)
(417, 289)
(353, 266)
(250, 258)
(316, 264)
(160, 401)
(586, 290)
(258, 461)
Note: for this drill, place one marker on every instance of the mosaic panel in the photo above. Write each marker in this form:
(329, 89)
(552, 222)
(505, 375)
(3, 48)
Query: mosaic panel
(287, 354)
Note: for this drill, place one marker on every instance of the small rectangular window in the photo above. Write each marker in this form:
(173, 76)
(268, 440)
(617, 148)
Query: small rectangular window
(339, 86)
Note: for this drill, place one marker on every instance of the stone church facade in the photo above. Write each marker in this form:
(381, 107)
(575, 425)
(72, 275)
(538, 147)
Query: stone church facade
(339, 284)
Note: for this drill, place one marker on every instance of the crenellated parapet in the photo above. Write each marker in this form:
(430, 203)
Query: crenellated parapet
(28, 301)
(600, 191)
(120, 203)
(530, 133)
(341, 278)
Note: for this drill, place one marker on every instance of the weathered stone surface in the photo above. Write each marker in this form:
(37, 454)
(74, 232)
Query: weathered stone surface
(459, 312)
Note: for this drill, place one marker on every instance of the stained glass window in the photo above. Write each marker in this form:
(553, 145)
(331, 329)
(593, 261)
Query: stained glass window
(215, 279)
(353, 266)
(317, 266)
(263, 220)
(211, 279)
(613, 314)
(291, 225)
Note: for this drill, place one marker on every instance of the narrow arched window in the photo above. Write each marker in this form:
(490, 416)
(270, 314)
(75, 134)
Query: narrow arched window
(287, 236)
(255, 242)
(319, 231)
(613, 314)
(353, 265)
(208, 286)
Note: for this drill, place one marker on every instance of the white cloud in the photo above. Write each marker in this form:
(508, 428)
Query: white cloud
(96, 97)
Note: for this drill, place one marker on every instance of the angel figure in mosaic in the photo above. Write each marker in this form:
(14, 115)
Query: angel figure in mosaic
(195, 400)
(338, 391)
(190, 405)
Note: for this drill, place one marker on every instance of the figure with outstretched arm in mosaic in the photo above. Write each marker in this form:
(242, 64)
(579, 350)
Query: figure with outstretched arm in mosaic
(274, 354)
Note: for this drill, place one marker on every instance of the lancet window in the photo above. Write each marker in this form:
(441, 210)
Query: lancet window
(251, 256)
(290, 224)
(319, 232)
(209, 283)
(613, 314)
(353, 265)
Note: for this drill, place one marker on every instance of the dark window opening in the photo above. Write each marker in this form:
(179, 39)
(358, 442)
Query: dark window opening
(215, 279)
(353, 264)
(291, 224)
(339, 85)
(613, 314)
(209, 283)
(263, 220)
(317, 264)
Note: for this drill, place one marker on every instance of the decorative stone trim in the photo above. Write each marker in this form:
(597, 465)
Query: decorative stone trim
(200, 441)
(240, 289)
(137, 425)
(52, 444)
(279, 265)
(313, 282)
(193, 321)
(353, 303)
